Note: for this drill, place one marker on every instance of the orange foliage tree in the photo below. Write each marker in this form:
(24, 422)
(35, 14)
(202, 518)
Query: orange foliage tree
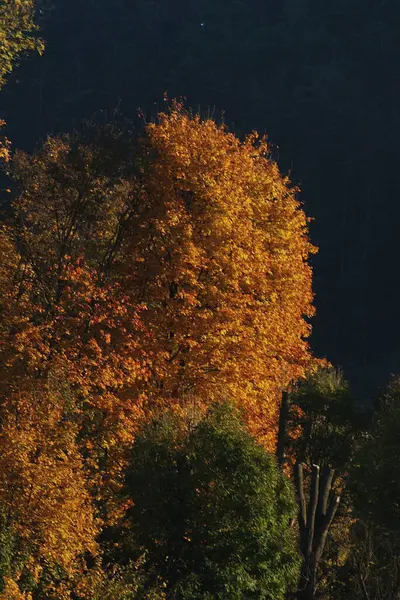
(219, 255)
(145, 271)
(68, 344)
(179, 260)
(65, 310)
(43, 493)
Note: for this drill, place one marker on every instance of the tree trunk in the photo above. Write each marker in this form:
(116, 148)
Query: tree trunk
(314, 523)
(283, 418)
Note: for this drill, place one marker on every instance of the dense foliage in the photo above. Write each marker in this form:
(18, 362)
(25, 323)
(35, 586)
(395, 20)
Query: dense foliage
(375, 472)
(320, 78)
(323, 420)
(139, 270)
(150, 271)
(212, 509)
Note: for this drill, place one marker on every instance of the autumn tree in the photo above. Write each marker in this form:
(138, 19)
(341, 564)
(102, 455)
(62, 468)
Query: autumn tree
(147, 270)
(62, 310)
(192, 224)
(220, 252)
(44, 499)
(122, 582)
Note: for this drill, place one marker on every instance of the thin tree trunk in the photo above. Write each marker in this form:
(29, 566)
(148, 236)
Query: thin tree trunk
(283, 418)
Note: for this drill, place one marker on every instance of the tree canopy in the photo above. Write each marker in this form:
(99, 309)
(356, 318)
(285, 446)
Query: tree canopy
(140, 269)
(212, 508)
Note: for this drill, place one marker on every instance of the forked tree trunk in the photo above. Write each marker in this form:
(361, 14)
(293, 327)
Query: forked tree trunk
(315, 519)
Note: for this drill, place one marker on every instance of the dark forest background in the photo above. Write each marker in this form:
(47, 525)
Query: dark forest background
(320, 78)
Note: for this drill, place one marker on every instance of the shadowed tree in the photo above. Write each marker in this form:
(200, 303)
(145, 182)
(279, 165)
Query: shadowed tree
(212, 510)
(319, 428)
(315, 518)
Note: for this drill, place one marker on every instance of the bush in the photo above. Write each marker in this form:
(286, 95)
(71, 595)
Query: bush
(212, 510)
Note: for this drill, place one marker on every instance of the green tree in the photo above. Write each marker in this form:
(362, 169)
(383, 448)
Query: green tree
(9, 555)
(323, 422)
(212, 510)
(321, 438)
(376, 472)
(372, 567)
(18, 33)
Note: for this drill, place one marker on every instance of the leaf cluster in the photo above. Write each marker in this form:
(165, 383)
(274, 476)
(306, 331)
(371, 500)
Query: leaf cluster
(18, 33)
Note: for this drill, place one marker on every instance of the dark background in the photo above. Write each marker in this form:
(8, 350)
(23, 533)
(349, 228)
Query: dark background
(320, 78)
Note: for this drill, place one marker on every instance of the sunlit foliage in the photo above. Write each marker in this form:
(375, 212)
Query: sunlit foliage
(220, 253)
(138, 272)
(18, 33)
